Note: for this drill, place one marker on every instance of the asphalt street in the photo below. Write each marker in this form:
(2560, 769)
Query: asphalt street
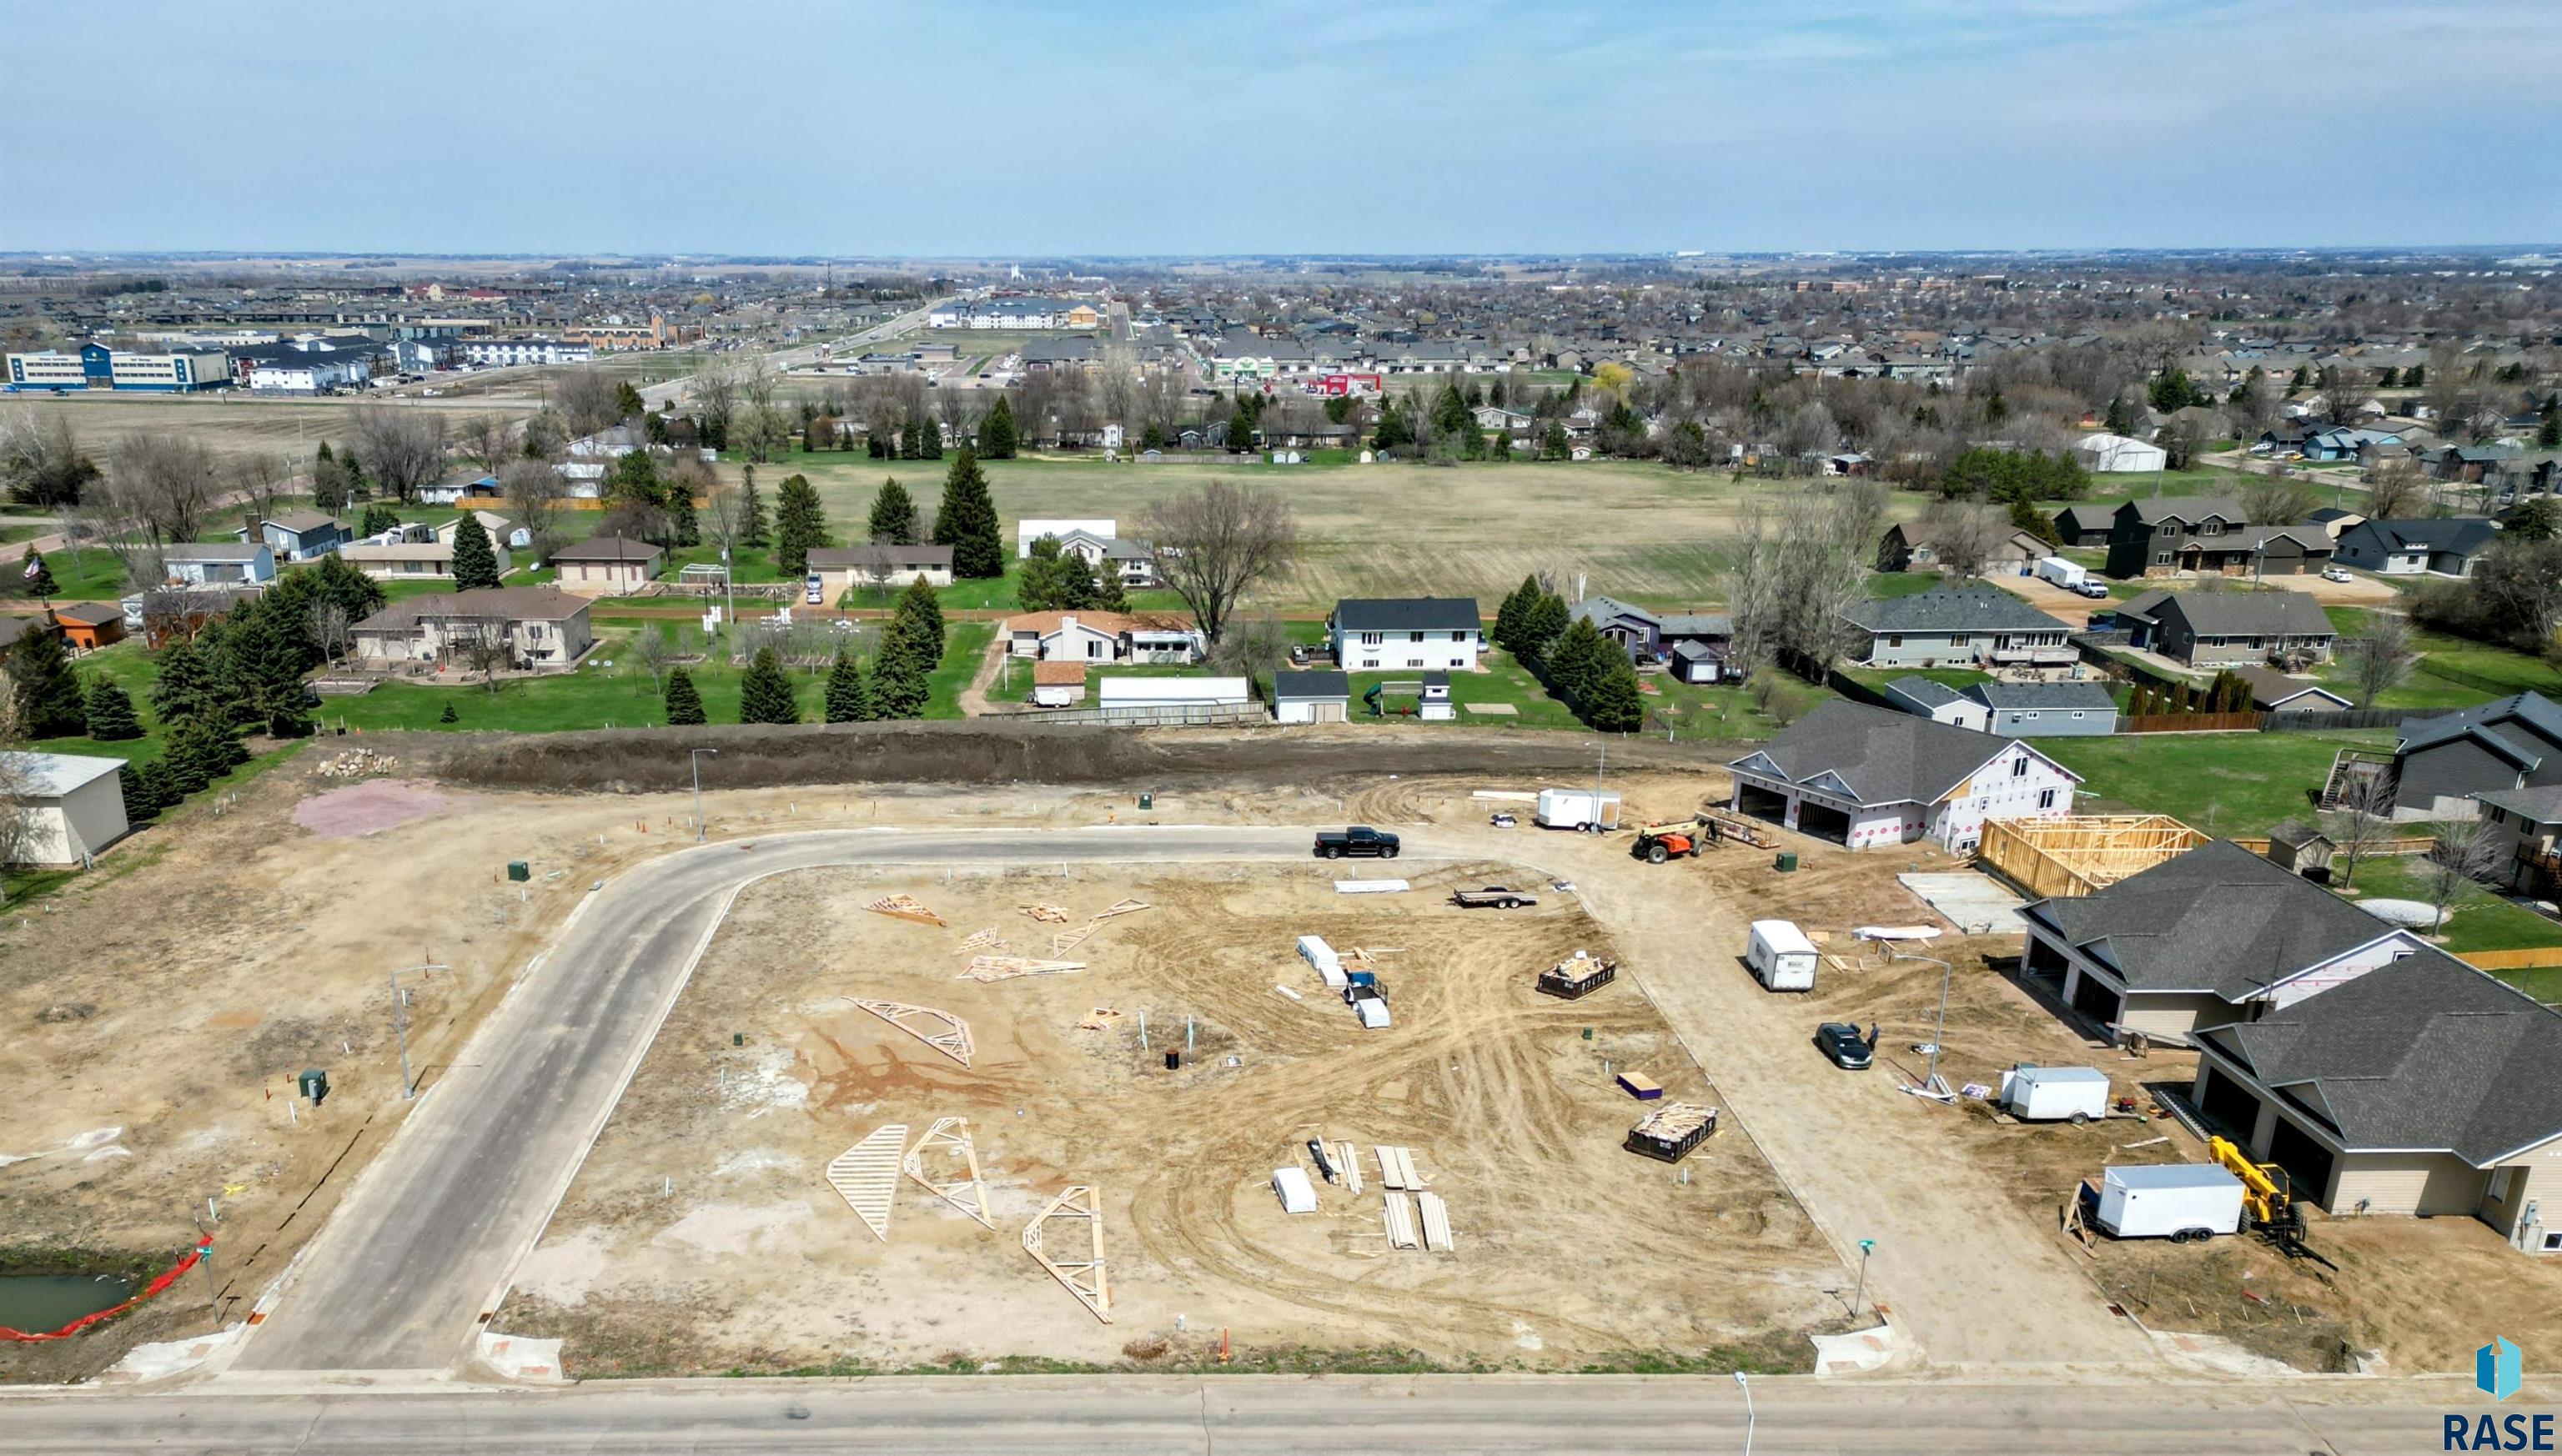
(427, 1241)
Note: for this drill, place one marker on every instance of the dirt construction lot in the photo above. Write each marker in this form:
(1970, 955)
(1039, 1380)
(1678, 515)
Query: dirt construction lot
(701, 1234)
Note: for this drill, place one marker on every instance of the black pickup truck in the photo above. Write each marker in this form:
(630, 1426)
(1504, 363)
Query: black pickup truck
(1358, 841)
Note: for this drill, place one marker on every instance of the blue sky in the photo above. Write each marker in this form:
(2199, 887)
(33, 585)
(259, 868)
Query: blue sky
(1467, 125)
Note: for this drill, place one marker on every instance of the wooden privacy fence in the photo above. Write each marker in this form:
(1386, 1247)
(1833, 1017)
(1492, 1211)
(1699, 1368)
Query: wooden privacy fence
(2512, 959)
(2191, 723)
(2380, 849)
(2318, 719)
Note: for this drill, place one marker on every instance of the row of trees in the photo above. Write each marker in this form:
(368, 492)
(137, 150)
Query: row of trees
(1592, 673)
(898, 684)
(1057, 580)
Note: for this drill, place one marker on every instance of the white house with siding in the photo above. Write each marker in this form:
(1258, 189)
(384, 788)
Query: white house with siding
(1868, 777)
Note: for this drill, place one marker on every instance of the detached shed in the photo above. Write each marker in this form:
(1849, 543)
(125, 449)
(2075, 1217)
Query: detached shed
(1311, 698)
(2298, 846)
(69, 807)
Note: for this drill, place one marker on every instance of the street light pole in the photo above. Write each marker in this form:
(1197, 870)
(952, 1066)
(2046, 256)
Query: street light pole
(400, 1022)
(694, 756)
(1866, 1246)
(1746, 1386)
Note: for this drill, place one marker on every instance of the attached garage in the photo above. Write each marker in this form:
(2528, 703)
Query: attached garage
(2094, 998)
(2225, 1101)
(2307, 1162)
(1760, 803)
(1823, 823)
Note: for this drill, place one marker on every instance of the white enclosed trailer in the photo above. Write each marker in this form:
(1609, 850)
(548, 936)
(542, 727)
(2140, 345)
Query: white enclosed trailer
(1781, 957)
(2178, 1201)
(2062, 573)
(2055, 1094)
(1578, 808)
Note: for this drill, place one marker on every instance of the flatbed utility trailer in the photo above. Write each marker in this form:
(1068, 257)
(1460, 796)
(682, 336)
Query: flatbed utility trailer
(1576, 977)
(1492, 897)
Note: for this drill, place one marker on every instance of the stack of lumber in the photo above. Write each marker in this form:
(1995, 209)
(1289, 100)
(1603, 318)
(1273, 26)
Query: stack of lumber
(1436, 1223)
(904, 907)
(1400, 1222)
(1007, 968)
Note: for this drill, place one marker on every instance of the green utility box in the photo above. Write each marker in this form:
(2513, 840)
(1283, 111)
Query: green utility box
(1787, 863)
(313, 1084)
(519, 870)
(1147, 801)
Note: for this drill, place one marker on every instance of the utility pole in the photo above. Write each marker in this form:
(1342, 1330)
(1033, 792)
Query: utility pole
(695, 756)
(400, 1022)
(1939, 1027)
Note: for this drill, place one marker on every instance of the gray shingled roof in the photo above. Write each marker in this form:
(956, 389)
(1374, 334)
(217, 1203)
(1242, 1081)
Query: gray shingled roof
(2250, 614)
(1885, 757)
(2460, 534)
(2540, 803)
(2425, 1053)
(2218, 918)
(1601, 608)
(2088, 697)
(1943, 609)
(1289, 687)
(1406, 613)
(2270, 687)
(2482, 724)
(1926, 691)
(2153, 510)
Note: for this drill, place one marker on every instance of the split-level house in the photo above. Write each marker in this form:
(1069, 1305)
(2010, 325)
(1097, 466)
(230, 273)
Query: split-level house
(1102, 637)
(540, 628)
(1692, 645)
(1868, 777)
(1397, 632)
(2229, 629)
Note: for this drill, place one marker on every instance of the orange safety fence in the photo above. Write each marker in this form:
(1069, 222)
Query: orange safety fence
(148, 1290)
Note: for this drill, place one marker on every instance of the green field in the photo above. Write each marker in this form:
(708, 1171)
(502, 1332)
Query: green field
(2221, 784)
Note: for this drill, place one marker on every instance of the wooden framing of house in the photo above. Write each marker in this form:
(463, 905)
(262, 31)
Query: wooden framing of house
(2048, 857)
(951, 1038)
(1083, 1271)
(865, 1175)
(903, 907)
(951, 1134)
(1007, 968)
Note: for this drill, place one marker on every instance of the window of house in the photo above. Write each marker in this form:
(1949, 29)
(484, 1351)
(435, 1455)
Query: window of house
(2019, 766)
(2046, 799)
(1373, 638)
(2170, 531)
(1959, 640)
(2028, 717)
(2079, 715)
(2161, 559)
(1414, 637)
(1895, 639)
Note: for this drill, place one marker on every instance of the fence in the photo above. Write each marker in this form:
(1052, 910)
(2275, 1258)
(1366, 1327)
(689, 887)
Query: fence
(2460, 677)
(2512, 959)
(2316, 721)
(2191, 723)
(1234, 716)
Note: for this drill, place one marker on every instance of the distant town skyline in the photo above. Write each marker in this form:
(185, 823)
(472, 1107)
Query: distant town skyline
(779, 127)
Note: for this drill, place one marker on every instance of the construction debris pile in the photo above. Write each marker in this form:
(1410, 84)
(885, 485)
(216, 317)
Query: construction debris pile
(358, 762)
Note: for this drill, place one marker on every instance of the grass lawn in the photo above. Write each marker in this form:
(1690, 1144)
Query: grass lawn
(2221, 784)
(1883, 585)
(2478, 918)
(84, 574)
(2500, 671)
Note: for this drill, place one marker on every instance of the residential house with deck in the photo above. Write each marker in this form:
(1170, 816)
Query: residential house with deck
(1691, 645)
(2229, 629)
(2449, 547)
(2440, 763)
(1867, 777)
(1952, 626)
(1102, 637)
(1400, 633)
(300, 535)
(539, 626)
(199, 564)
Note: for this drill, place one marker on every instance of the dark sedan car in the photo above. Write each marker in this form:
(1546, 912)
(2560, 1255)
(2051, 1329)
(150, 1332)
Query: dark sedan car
(1843, 1043)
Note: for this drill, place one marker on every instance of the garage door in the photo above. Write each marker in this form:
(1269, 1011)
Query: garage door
(1762, 804)
(2307, 1162)
(1329, 712)
(2094, 999)
(2230, 1104)
(1822, 823)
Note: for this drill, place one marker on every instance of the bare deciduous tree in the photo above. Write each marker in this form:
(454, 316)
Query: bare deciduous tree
(1797, 571)
(1252, 646)
(2277, 501)
(258, 479)
(2378, 658)
(587, 401)
(2360, 824)
(653, 653)
(715, 394)
(330, 630)
(402, 450)
(533, 492)
(482, 644)
(488, 441)
(1963, 535)
(2396, 490)
(1215, 544)
(2466, 850)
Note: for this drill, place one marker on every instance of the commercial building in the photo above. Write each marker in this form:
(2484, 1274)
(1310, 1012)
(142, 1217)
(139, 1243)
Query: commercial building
(96, 366)
(506, 353)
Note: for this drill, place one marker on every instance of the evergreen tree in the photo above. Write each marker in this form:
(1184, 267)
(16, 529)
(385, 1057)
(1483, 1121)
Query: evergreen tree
(764, 693)
(110, 715)
(2122, 416)
(893, 519)
(1501, 448)
(138, 807)
(800, 524)
(684, 702)
(1038, 587)
(267, 653)
(38, 578)
(968, 524)
(50, 701)
(1107, 595)
(626, 400)
(475, 565)
(1614, 703)
(450, 715)
(160, 784)
(1555, 445)
(848, 700)
(899, 687)
(2172, 391)
(1393, 432)
(1542, 626)
(751, 510)
(1510, 615)
(684, 527)
(2036, 522)
(2549, 429)
(378, 519)
(200, 752)
(929, 440)
(1576, 664)
(922, 615)
(997, 432)
(185, 687)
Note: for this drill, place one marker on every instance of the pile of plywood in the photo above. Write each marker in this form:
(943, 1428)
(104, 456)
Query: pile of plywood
(1007, 968)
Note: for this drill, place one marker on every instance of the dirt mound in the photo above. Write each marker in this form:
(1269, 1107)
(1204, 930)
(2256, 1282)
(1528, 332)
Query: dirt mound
(623, 761)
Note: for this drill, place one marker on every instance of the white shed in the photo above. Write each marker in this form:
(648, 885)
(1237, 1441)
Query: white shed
(2107, 453)
(71, 807)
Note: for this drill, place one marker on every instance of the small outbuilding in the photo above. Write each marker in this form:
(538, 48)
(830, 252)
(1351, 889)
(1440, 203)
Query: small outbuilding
(2298, 846)
(68, 807)
(1058, 684)
(1311, 698)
